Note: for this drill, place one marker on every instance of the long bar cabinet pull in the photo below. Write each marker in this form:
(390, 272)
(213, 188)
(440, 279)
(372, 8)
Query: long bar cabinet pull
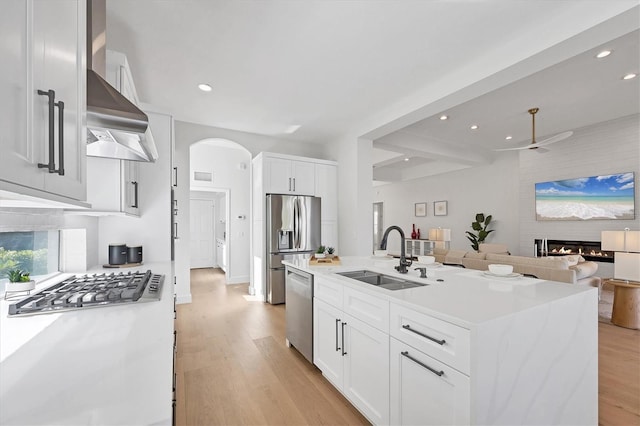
(433, 339)
(175, 175)
(51, 94)
(337, 345)
(434, 371)
(343, 348)
(135, 194)
(60, 106)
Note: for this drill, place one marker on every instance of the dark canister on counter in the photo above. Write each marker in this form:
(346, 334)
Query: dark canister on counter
(134, 254)
(117, 254)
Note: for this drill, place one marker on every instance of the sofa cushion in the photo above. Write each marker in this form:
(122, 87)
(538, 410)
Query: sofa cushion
(474, 255)
(493, 248)
(455, 256)
(572, 259)
(440, 250)
(543, 262)
(585, 269)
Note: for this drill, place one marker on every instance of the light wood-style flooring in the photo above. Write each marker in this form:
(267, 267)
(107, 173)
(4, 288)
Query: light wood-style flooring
(233, 367)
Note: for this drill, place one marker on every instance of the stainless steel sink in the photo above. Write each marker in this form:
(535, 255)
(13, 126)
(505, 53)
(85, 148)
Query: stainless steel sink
(380, 280)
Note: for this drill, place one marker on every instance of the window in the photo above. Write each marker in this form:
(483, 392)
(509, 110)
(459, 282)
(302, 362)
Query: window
(35, 252)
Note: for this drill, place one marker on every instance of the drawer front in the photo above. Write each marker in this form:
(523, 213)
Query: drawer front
(439, 339)
(328, 291)
(369, 309)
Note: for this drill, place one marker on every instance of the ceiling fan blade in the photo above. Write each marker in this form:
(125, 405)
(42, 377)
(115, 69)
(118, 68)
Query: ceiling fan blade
(537, 145)
(554, 139)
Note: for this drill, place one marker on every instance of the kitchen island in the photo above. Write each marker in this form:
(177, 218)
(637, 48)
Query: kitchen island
(106, 365)
(466, 348)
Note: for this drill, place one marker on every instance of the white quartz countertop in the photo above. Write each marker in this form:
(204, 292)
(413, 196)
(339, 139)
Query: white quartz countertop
(106, 365)
(465, 297)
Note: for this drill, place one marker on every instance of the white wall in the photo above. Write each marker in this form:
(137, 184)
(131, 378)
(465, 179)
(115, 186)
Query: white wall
(355, 208)
(224, 163)
(152, 229)
(601, 149)
(505, 189)
(187, 134)
(489, 189)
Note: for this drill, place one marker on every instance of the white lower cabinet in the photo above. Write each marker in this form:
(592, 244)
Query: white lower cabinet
(354, 357)
(425, 391)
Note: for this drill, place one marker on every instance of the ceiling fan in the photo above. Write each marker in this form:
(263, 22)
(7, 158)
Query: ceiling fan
(538, 145)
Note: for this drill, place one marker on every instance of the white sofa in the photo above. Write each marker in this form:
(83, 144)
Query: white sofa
(567, 269)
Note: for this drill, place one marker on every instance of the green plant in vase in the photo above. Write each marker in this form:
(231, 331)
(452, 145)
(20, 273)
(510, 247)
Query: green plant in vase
(320, 252)
(330, 252)
(19, 280)
(480, 226)
(18, 276)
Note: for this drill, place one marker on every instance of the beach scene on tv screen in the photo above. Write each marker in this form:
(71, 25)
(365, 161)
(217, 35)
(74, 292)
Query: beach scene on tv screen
(588, 198)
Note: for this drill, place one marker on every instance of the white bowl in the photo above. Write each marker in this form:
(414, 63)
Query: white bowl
(426, 259)
(379, 253)
(319, 255)
(501, 269)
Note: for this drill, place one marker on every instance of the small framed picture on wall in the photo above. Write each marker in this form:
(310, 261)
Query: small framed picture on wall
(421, 209)
(440, 208)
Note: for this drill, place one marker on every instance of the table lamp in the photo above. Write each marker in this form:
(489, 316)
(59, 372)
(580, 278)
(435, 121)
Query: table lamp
(626, 260)
(440, 236)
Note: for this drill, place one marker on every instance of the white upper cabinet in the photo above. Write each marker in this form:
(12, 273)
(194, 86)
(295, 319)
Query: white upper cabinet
(44, 98)
(284, 176)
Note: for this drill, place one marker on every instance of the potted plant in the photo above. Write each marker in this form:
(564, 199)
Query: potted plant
(330, 252)
(480, 226)
(19, 281)
(320, 252)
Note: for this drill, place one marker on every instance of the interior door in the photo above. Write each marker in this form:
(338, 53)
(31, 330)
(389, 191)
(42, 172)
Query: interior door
(202, 217)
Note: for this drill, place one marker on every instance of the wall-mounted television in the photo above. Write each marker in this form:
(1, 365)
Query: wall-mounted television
(588, 198)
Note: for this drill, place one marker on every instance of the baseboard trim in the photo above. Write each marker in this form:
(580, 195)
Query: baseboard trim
(238, 280)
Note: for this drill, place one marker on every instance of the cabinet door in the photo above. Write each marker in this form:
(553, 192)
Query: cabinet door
(58, 64)
(327, 341)
(304, 177)
(18, 162)
(131, 187)
(425, 391)
(366, 369)
(277, 176)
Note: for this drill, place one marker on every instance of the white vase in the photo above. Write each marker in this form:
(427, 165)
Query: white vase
(20, 286)
(319, 255)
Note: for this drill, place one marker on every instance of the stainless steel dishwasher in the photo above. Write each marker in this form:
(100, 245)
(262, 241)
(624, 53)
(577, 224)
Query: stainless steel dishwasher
(299, 311)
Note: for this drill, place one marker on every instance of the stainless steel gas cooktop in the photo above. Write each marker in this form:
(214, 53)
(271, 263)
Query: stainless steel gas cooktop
(91, 291)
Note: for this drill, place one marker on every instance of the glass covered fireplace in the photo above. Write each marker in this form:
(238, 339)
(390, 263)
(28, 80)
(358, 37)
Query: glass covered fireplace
(590, 250)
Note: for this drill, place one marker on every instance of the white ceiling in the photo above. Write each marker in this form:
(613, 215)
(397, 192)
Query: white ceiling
(385, 69)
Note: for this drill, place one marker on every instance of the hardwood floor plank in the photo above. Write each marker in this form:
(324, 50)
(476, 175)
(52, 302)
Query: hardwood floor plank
(233, 367)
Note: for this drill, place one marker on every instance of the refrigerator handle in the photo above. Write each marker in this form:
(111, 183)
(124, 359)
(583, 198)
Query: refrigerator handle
(296, 215)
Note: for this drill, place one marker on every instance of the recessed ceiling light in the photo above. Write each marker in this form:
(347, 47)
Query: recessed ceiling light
(444, 117)
(629, 76)
(406, 158)
(603, 54)
(474, 127)
(292, 129)
(204, 87)
(509, 137)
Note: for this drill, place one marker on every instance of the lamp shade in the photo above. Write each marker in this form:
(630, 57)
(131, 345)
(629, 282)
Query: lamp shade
(439, 234)
(612, 240)
(627, 266)
(633, 241)
(621, 241)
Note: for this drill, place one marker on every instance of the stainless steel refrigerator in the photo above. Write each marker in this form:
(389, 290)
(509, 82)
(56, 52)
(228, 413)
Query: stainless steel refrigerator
(293, 229)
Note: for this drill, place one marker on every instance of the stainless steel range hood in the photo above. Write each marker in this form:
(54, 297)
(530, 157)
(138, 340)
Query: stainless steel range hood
(116, 128)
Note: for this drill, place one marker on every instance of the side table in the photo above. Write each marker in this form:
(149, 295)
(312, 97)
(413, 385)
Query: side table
(626, 303)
